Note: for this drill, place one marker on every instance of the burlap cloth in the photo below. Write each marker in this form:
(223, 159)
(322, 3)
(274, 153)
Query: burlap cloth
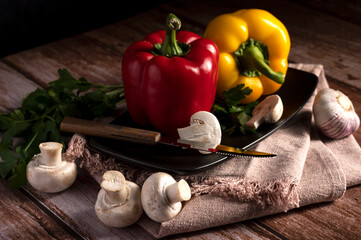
(308, 169)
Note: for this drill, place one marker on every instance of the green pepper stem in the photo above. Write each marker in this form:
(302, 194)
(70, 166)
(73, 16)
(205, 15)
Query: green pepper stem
(251, 58)
(170, 47)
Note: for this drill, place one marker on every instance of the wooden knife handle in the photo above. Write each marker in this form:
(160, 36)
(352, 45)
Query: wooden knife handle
(98, 129)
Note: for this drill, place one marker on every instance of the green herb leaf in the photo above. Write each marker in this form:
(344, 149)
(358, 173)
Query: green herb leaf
(231, 115)
(18, 177)
(38, 119)
(234, 95)
(11, 160)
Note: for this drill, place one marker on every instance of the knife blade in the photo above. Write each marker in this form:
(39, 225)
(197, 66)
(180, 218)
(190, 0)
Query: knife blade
(143, 136)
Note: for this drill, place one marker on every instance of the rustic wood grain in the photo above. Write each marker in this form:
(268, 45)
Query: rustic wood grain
(14, 87)
(80, 55)
(245, 230)
(325, 36)
(100, 129)
(22, 219)
(337, 220)
(349, 10)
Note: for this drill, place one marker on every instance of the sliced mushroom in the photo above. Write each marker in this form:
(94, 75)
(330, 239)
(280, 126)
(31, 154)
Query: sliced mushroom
(269, 110)
(204, 127)
(49, 171)
(162, 196)
(118, 203)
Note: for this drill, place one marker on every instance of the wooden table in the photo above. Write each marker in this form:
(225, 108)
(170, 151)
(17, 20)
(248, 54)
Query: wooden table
(327, 33)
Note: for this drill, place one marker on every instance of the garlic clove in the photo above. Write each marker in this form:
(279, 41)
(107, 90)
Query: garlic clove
(334, 114)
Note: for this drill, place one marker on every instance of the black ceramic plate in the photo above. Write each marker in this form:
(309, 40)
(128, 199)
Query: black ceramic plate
(295, 92)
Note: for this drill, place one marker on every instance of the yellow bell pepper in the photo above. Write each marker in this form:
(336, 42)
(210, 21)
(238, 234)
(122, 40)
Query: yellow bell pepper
(253, 49)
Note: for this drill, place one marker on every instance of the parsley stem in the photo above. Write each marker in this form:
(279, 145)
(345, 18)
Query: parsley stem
(31, 141)
(99, 86)
(18, 121)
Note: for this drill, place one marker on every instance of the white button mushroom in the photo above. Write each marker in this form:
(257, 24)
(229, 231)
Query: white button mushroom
(118, 203)
(204, 127)
(49, 171)
(269, 110)
(162, 196)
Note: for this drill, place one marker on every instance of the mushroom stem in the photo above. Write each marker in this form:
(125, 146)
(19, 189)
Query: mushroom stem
(51, 153)
(115, 188)
(257, 119)
(116, 197)
(178, 192)
(270, 110)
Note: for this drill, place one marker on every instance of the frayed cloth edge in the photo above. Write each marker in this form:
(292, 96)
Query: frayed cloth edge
(280, 194)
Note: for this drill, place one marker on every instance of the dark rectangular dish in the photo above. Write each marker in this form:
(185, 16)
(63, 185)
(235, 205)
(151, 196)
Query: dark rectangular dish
(295, 92)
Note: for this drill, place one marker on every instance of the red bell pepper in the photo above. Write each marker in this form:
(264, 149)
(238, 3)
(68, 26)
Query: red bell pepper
(169, 76)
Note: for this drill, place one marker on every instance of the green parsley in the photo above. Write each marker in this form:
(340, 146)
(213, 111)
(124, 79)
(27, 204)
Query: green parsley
(231, 115)
(38, 119)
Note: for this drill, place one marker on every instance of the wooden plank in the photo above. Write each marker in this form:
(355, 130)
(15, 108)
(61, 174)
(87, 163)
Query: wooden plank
(348, 10)
(245, 230)
(14, 87)
(337, 220)
(120, 35)
(80, 55)
(22, 219)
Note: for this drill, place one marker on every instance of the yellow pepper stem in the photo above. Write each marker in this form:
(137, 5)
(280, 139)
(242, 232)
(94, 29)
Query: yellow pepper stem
(251, 61)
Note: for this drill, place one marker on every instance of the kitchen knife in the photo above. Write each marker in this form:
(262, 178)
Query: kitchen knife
(142, 136)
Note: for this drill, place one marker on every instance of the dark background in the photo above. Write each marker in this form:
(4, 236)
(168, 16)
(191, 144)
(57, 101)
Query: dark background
(26, 24)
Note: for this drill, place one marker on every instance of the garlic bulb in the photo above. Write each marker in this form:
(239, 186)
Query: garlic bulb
(334, 114)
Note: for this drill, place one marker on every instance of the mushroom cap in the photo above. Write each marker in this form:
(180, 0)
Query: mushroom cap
(123, 214)
(213, 126)
(206, 117)
(204, 128)
(50, 179)
(154, 198)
